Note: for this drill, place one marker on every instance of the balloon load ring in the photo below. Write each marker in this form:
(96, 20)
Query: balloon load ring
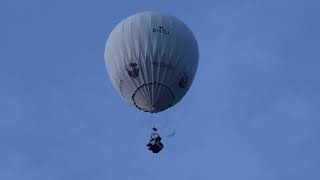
(156, 103)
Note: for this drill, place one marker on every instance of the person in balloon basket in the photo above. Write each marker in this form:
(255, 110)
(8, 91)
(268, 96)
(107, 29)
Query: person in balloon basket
(155, 145)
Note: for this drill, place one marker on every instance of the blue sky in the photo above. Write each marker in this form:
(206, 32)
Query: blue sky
(252, 112)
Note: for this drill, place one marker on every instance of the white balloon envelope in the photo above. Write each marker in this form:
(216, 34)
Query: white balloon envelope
(151, 59)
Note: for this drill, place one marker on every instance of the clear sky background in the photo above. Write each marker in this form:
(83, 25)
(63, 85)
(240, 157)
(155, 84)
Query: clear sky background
(253, 111)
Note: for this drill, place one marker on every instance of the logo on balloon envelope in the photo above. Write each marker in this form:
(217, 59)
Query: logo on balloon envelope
(183, 81)
(133, 70)
(161, 30)
(121, 85)
(163, 64)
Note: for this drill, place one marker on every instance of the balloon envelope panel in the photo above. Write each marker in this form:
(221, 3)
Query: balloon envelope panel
(151, 59)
